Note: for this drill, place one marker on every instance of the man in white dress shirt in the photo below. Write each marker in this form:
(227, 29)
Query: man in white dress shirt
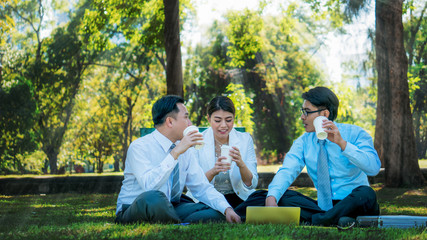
(149, 173)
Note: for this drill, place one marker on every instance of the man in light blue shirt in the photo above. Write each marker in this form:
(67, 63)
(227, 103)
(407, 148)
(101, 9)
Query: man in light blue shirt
(159, 165)
(351, 157)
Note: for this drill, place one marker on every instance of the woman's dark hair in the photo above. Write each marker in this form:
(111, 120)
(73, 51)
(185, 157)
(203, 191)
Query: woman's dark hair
(221, 103)
(165, 107)
(323, 97)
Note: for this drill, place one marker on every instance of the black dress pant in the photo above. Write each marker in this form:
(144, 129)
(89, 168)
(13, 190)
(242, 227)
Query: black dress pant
(154, 207)
(361, 201)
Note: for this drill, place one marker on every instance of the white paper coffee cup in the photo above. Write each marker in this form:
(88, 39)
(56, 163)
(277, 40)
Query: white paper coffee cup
(320, 131)
(225, 151)
(191, 129)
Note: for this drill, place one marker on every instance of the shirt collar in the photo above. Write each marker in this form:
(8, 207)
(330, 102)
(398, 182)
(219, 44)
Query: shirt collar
(162, 140)
(318, 140)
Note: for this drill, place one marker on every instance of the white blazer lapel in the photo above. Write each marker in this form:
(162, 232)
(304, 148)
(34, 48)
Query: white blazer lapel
(208, 151)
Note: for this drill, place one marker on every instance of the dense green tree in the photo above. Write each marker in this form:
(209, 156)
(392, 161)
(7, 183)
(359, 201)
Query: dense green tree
(95, 128)
(19, 47)
(132, 84)
(206, 74)
(6, 21)
(276, 71)
(266, 56)
(112, 105)
(142, 22)
(55, 67)
(6, 24)
(17, 111)
(17, 108)
(415, 41)
(394, 133)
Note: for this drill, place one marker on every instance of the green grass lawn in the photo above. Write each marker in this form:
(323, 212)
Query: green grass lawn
(91, 216)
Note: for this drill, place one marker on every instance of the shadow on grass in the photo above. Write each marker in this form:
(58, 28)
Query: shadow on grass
(393, 201)
(404, 201)
(20, 212)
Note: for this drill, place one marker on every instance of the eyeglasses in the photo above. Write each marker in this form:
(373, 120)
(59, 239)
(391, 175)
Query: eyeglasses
(305, 112)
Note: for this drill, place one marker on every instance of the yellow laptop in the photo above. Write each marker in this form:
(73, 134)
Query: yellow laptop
(282, 215)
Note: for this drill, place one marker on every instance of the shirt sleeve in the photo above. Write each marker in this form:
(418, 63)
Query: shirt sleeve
(361, 152)
(149, 176)
(251, 163)
(201, 189)
(291, 168)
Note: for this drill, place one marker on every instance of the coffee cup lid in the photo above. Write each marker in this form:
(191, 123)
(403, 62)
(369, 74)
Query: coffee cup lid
(190, 128)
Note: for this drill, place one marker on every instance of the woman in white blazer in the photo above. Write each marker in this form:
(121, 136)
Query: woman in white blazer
(240, 178)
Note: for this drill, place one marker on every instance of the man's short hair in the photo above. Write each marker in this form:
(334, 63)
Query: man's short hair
(323, 97)
(165, 107)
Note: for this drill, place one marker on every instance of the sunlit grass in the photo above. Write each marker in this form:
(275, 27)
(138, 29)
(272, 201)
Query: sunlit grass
(423, 163)
(47, 205)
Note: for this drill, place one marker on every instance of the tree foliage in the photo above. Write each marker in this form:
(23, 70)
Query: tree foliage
(112, 106)
(415, 25)
(17, 116)
(265, 55)
(54, 66)
(80, 88)
(394, 136)
(7, 22)
(140, 22)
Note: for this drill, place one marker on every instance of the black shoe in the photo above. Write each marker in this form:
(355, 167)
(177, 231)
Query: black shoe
(345, 223)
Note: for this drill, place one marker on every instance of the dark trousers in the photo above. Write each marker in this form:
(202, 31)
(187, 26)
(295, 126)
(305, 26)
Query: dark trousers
(233, 199)
(154, 207)
(361, 201)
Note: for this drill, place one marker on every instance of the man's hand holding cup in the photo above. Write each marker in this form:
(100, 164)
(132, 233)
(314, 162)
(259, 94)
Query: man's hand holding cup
(194, 129)
(191, 137)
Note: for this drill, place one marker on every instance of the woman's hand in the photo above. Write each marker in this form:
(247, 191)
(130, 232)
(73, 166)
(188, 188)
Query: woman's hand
(236, 157)
(218, 167)
(245, 173)
(221, 166)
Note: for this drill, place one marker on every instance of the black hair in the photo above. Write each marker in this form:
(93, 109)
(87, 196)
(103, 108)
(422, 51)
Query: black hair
(323, 97)
(165, 107)
(221, 103)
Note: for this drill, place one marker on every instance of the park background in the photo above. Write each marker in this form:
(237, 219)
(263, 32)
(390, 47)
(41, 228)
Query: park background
(79, 78)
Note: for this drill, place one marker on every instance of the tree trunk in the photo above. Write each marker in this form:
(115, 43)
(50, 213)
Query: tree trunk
(52, 141)
(394, 135)
(173, 49)
(127, 138)
(100, 168)
(52, 155)
(116, 163)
